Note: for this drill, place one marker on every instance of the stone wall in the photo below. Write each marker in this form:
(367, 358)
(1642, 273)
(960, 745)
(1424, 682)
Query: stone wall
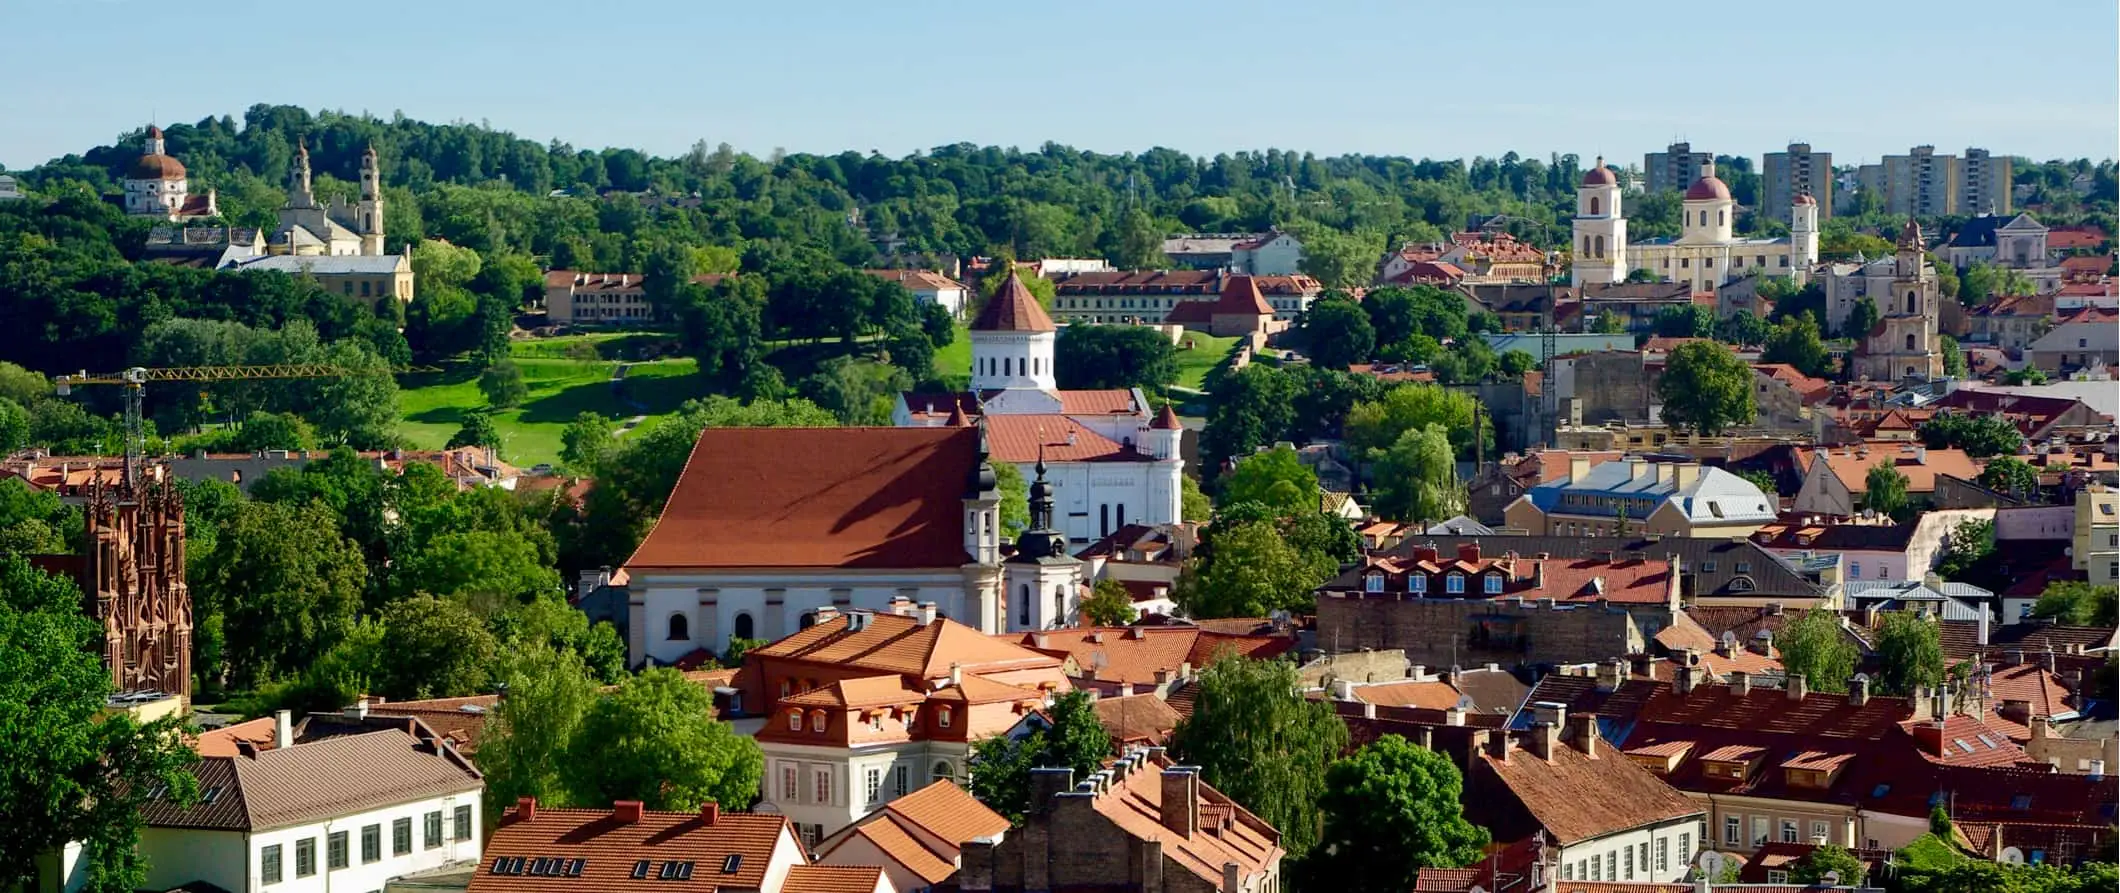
(1470, 632)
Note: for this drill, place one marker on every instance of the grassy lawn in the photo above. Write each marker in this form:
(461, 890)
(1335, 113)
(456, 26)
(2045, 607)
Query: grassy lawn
(1207, 353)
(953, 363)
(433, 405)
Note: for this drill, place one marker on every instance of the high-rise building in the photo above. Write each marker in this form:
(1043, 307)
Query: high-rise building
(1984, 183)
(1923, 183)
(1677, 167)
(1798, 171)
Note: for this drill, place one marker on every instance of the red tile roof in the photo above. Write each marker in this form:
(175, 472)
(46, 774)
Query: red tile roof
(1134, 654)
(1137, 719)
(833, 879)
(917, 280)
(1228, 833)
(610, 846)
(1021, 439)
(817, 497)
(1577, 797)
(2070, 238)
(1114, 401)
(888, 643)
(1013, 309)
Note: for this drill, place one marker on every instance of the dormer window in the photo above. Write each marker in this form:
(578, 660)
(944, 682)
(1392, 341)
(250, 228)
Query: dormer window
(1373, 583)
(794, 720)
(817, 721)
(1455, 584)
(1417, 584)
(1494, 584)
(942, 717)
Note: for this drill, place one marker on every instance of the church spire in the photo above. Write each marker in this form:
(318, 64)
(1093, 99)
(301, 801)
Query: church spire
(298, 189)
(1040, 540)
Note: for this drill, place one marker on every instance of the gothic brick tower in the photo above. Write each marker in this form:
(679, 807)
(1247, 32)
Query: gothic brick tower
(133, 579)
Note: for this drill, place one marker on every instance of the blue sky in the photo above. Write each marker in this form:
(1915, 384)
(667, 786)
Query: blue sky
(1437, 79)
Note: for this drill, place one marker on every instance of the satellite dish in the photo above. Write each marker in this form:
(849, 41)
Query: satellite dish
(1465, 702)
(1711, 863)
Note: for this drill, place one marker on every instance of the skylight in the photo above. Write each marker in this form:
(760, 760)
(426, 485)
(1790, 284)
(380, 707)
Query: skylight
(731, 864)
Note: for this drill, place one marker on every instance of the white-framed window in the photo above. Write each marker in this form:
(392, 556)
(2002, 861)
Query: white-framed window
(1685, 846)
(789, 785)
(1454, 584)
(1759, 830)
(821, 784)
(1494, 584)
(942, 717)
(1630, 863)
(1663, 854)
(875, 779)
(1733, 830)
(1818, 832)
(1417, 584)
(817, 721)
(1373, 583)
(1788, 831)
(794, 719)
(1777, 877)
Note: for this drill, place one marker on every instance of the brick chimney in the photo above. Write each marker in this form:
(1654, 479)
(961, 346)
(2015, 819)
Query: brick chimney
(526, 809)
(1859, 690)
(1610, 674)
(709, 813)
(626, 812)
(1181, 800)
(1582, 732)
(1544, 735)
(1469, 552)
(1798, 687)
(1499, 743)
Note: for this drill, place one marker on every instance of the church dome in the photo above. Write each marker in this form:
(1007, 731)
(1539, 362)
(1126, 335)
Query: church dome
(1805, 199)
(156, 167)
(1600, 175)
(1708, 187)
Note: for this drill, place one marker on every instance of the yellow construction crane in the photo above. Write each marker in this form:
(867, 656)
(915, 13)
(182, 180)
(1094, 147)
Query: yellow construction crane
(135, 380)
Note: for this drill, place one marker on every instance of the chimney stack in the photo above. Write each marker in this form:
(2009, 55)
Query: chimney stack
(927, 613)
(283, 729)
(709, 813)
(1232, 878)
(1181, 800)
(1552, 713)
(1798, 687)
(1582, 732)
(358, 709)
(1544, 735)
(1455, 716)
(1610, 674)
(626, 812)
(526, 809)
(1499, 743)
(1343, 689)
(1740, 683)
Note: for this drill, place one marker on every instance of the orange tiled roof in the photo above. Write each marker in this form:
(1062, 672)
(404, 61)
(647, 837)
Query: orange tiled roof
(948, 812)
(1229, 833)
(1013, 309)
(221, 742)
(1023, 438)
(1434, 695)
(1576, 797)
(1133, 654)
(1137, 719)
(1852, 465)
(892, 644)
(609, 846)
(889, 835)
(832, 879)
(1111, 401)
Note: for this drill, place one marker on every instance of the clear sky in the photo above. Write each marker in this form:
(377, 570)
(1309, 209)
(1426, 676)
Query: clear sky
(1858, 78)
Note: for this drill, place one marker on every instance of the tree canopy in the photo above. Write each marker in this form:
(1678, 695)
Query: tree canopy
(1706, 388)
(1258, 740)
(1000, 766)
(1391, 809)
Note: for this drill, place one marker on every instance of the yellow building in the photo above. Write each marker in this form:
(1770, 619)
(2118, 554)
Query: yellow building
(355, 278)
(2097, 546)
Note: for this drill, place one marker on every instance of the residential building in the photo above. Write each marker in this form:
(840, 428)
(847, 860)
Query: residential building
(1484, 257)
(1110, 460)
(917, 839)
(1272, 253)
(606, 299)
(768, 528)
(369, 279)
(1449, 609)
(1921, 183)
(1705, 255)
(1141, 826)
(1494, 487)
(1674, 168)
(2086, 339)
(2096, 548)
(1145, 720)
(1635, 303)
(862, 709)
(626, 847)
(351, 811)
(1984, 183)
(2011, 322)
(1930, 598)
(2019, 243)
(1145, 559)
(340, 229)
(930, 287)
(1153, 297)
(1601, 387)
(1625, 498)
(9, 190)
(1204, 251)
(1871, 549)
(1121, 660)
(1835, 480)
(1609, 819)
(1712, 570)
(158, 186)
(1797, 171)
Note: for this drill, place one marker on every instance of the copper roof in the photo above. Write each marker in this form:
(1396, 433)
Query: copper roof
(1708, 187)
(817, 497)
(1013, 309)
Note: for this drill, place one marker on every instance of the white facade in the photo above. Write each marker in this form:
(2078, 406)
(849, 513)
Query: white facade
(1659, 853)
(1706, 254)
(674, 614)
(1006, 360)
(1277, 254)
(823, 789)
(1600, 232)
(237, 861)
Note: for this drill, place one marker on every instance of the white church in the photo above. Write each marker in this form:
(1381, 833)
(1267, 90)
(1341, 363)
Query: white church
(1111, 461)
(1706, 254)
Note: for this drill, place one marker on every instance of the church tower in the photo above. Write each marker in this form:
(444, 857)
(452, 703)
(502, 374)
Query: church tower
(299, 195)
(1600, 229)
(1012, 341)
(1043, 582)
(368, 215)
(132, 573)
(1163, 439)
(1803, 237)
(1903, 345)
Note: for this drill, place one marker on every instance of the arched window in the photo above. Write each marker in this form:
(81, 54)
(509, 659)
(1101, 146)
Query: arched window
(1600, 246)
(1718, 218)
(1060, 605)
(816, 720)
(809, 619)
(1023, 605)
(1595, 206)
(1910, 341)
(680, 628)
(1703, 218)
(942, 717)
(795, 720)
(742, 628)
(944, 770)
(1913, 302)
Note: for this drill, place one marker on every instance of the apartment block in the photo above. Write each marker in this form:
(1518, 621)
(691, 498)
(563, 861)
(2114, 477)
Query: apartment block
(1786, 175)
(1674, 168)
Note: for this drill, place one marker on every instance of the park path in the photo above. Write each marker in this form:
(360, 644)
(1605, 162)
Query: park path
(618, 390)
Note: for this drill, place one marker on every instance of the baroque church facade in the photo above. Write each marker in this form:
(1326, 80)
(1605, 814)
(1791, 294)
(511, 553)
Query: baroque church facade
(158, 186)
(1904, 344)
(339, 229)
(1706, 253)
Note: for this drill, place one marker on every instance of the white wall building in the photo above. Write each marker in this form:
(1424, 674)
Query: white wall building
(1270, 254)
(1706, 254)
(158, 186)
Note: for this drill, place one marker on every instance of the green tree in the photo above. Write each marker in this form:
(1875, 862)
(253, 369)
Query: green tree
(738, 647)
(1337, 333)
(1392, 809)
(1258, 740)
(477, 430)
(1742, 329)
(524, 749)
(436, 648)
(2076, 603)
(285, 584)
(1076, 739)
(586, 441)
(2011, 475)
(22, 386)
(1109, 604)
(1514, 363)
(1764, 481)
(1815, 646)
(1340, 260)
(502, 383)
(1706, 388)
(1796, 341)
(1953, 357)
(1885, 490)
(1039, 287)
(656, 740)
(1250, 408)
(1417, 478)
(1687, 321)
(1909, 653)
(1378, 424)
(1015, 500)
(1252, 571)
(76, 771)
(1843, 865)
(1980, 436)
(1276, 479)
(1966, 549)
(1861, 319)
(14, 425)
(1193, 504)
(1090, 357)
